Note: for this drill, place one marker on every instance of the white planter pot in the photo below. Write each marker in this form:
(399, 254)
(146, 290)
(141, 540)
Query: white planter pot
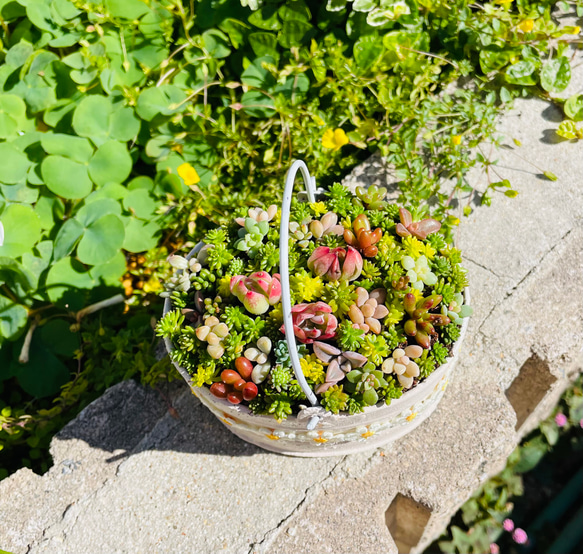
(335, 435)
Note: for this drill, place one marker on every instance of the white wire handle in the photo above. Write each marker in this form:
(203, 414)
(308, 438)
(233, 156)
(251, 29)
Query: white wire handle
(310, 185)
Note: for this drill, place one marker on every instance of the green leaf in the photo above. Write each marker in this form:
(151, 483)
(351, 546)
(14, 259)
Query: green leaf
(511, 193)
(15, 274)
(367, 51)
(163, 100)
(110, 273)
(123, 124)
(92, 211)
(521, 73)
(57, 337)
(530, 454)
(13, 318)
(294, 33)
(65, 282)
(67, 238)
(216, 43)
(14, 164)
(556, 75)
(550, 176)
(65, 177)
(19, 53)
(257, 76)
(21, 230)
(568, 130)
(265, 18)
(139, 235)
(111, 163)
(141, 182)
(573, 107)
(140, 203)
(74, 148)
(102, 240)
(12, 115)
(127, 9)
(264, 44)
(91, 118)
(44, 374)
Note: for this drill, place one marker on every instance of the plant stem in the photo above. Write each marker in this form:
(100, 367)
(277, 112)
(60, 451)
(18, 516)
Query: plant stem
(24, 351)
(117, 299)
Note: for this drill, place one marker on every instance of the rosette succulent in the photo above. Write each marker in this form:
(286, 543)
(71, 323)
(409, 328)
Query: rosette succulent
(419, 229)
(257, 292)
(313, 321)
(336, 263)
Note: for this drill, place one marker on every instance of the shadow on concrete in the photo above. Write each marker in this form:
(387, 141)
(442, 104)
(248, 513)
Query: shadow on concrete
(133, 418)
(550, 137)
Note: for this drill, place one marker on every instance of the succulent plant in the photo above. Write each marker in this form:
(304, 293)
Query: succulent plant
(257, 292)
(336, 263)
(456, 310)
(421, 323)
(334, 399)
(313, 321)
(362, 237)
(339, 363)
(301, 233)
(368, 310)
(258, 215)
(372, 197)
(327, 225)
(280, 377)
(366, 381)
(349, 337)
(401, 363)
(419, 229)
(251, 236)
(418, 272)
(213, 332)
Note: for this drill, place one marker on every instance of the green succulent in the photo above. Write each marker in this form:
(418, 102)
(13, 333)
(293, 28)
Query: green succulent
(437, 241)
(450, 333)
(372, 197)
(268, 255)
(459, 278)
(375, 348)
(439, 353)
(366, 381)
(205, 280)
(445, 289)
(393, 337)
(356, 405)
(216, 236)
(339, 296)
(234, 344)
(426, 365)
(170, 325)
(179, 299)
(251, 236)
(370, 270)
(393, 390)
(219, 256)
(334, 399)
(280, 377)
(348, 337)
(279, 405)
(340, 199)
(441, 266)
(235, 267)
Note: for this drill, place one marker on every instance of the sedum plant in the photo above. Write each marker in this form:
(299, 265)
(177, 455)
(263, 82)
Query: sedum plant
(359, 345)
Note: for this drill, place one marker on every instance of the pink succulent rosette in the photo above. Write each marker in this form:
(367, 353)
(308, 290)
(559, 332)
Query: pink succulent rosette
(313, 321)
(257, 292)
(419, 229)
(336, 263)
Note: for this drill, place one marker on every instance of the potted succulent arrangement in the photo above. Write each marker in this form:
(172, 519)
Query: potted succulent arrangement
(321, 328)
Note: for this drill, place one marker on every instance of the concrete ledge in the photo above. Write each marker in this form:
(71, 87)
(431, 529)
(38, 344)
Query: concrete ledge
(128, 477)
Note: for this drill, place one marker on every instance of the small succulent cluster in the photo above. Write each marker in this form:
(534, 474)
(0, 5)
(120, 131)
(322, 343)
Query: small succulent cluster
(377, 304)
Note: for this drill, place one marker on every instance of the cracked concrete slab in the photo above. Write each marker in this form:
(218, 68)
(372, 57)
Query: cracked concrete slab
(129, 477)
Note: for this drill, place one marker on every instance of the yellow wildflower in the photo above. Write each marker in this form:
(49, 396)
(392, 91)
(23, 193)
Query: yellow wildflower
(305, 287)
(526, 26)
(334, 139)
(456, 140)
(188, 174)
(313, 369)
(318, 208)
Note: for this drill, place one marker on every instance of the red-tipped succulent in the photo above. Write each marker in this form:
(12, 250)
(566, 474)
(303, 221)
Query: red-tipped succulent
(336, 263)
(419, 229)
(257, 292)
(313, 321)
(362, 237)
(420, 323)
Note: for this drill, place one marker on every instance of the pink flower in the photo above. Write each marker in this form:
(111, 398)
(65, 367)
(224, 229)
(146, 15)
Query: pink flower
(313, 321)
(561, 420)
(494, 548)
(326, 261)
(519, 536)
(508, 525)
(419, 229)
(581, 424)
(257, 292)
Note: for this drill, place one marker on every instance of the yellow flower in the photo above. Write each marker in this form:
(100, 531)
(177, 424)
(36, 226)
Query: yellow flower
(526, 26)
(334, 139)
(318, 208)
(312, 369)
(152, 285)
(415, 248)
(188, 174)
(456, 140)
(224, 286)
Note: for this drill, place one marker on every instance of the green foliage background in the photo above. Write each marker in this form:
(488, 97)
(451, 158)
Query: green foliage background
(102, 101)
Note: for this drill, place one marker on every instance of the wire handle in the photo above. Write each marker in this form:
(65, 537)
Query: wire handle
(310, 185)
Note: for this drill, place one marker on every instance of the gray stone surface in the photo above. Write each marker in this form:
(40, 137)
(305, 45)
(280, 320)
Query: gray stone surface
(128, 477)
